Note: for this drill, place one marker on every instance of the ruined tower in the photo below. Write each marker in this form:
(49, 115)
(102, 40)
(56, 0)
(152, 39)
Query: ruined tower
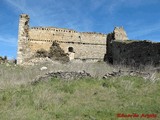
(22, 38)
(119, 34)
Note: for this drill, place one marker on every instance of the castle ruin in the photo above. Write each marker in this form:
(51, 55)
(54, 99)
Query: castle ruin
(79, 45)
(113, 47)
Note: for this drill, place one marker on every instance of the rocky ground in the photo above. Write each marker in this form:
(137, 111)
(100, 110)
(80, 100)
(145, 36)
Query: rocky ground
(83, 75)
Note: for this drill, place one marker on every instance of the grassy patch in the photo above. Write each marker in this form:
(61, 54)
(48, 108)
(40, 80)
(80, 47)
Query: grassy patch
(85, 99)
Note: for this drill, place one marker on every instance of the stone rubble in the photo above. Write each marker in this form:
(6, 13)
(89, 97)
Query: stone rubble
(145, 75)
(62, 75)
(84, 74)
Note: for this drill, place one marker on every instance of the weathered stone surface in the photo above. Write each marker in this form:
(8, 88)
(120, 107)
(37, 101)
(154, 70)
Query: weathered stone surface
(135, 53)
(120, 34)
(85, 44)
(114, 47)
(24, 52)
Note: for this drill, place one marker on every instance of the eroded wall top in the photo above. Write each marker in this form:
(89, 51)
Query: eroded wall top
(120, 34)
(65, 35)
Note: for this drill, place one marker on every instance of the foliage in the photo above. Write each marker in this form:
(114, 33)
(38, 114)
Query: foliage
(56, 53)
(41, 53)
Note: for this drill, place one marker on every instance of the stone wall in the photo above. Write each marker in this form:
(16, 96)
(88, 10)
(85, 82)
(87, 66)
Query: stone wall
(135, 52)
(120, 50)
(113, 47)
(118, 34)
(81, 50)
(81, 42)
(86, 51)
(84, 44)
(65, 35)
(23, 52)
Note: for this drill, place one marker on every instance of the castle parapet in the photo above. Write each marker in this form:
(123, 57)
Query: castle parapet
(93, 33)
(54, 29)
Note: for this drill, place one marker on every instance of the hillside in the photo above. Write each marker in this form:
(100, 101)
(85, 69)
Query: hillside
(83, 99)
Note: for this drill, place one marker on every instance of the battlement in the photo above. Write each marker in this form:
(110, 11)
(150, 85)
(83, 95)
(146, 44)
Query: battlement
(54, 29)
(64, 30)
(91, 33)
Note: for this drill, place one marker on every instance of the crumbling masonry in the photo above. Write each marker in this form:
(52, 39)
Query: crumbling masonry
(113, 47)
(82, 45)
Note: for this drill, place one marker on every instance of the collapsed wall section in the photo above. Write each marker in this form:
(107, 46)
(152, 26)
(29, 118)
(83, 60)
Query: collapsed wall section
(135, 53)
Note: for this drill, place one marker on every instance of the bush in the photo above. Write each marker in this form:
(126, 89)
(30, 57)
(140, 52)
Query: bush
(41, 53)
(56, 53)
(3, 59)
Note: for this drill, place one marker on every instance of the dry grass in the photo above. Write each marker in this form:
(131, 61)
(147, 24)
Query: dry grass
(12, 75)
(86, 99)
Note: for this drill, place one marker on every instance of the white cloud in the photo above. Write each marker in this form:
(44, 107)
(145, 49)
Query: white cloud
(114, 5)
(18, 5)
(51, 12)
(8, 40)
(70, 13)
(145, 30)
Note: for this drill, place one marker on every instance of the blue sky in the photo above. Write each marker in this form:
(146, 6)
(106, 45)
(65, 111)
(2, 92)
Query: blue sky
(140, 18)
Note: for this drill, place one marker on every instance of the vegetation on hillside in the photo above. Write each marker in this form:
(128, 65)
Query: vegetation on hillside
(84, 99)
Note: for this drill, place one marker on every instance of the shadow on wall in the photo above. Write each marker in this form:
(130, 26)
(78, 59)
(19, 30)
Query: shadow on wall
(118, 34)
(134, 53)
